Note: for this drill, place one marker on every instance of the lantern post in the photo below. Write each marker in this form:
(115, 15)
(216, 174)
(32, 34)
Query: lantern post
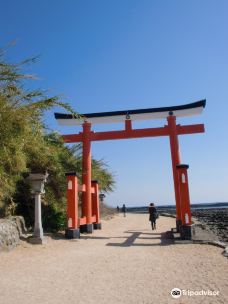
(37, 181)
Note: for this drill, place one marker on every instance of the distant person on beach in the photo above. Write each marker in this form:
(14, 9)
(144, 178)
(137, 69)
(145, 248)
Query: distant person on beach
(118, 209)
(124, 209)
(153, 215)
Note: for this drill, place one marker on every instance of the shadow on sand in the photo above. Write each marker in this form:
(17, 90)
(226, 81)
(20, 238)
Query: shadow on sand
(84, 236)
(162, 239)
(165, 238)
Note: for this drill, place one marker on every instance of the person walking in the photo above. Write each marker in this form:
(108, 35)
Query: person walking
(124, 209)
(153, 215)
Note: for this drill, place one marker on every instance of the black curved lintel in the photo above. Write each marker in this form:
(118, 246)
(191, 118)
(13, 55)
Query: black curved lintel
(198, 104)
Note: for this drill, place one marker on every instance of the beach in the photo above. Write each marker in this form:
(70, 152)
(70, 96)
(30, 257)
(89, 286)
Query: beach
(125, 262)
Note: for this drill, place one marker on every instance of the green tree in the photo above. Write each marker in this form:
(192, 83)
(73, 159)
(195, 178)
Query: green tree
(27, 146)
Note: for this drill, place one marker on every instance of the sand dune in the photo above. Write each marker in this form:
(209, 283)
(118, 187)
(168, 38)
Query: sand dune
(125, 262)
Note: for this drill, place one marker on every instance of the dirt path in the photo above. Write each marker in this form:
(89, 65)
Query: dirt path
(125, 262)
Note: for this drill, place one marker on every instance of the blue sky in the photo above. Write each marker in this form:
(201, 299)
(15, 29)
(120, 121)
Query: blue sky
(126, 54)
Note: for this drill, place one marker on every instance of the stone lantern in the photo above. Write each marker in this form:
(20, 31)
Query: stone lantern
(37, 181)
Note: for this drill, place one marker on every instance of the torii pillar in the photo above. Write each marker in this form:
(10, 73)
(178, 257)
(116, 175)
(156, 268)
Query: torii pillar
(176, 160)
(86, 179)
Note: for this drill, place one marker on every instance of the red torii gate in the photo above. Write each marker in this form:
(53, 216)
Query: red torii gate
(172, 130)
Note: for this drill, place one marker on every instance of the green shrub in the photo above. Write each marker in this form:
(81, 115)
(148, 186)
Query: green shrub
(53, 219)
(26, 145)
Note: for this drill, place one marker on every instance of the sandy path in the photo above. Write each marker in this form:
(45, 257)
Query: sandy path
(123, 263)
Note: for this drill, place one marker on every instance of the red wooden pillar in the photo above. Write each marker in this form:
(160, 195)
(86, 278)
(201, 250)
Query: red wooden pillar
(96, 205)
(175, 154)
(186, 218)
(72, 230)
(86, 179)
(184, 194)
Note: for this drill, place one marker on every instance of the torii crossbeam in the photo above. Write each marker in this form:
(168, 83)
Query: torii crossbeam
(172, 130)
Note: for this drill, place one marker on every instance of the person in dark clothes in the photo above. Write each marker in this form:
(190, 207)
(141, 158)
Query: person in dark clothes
(153, 215)
(124, 209)
(118, 209)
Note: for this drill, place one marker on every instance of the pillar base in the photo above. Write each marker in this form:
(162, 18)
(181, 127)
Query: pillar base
(36, 240)
(97, 226)
(187, 231)
(87, 228)
(178, 225)
(72, 233)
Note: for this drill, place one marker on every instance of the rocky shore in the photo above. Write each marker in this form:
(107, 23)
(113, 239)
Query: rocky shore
(215, 219)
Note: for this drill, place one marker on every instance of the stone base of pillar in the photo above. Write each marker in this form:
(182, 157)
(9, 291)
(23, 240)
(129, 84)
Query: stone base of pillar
(187, 232)
(178, 225)
(174, 230)
(36, 240)
(87, 228)
(97, 226)
(72, 233)
(38, 232)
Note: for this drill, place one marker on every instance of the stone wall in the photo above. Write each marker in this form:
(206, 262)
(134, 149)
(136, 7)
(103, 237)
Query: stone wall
(11, 230)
